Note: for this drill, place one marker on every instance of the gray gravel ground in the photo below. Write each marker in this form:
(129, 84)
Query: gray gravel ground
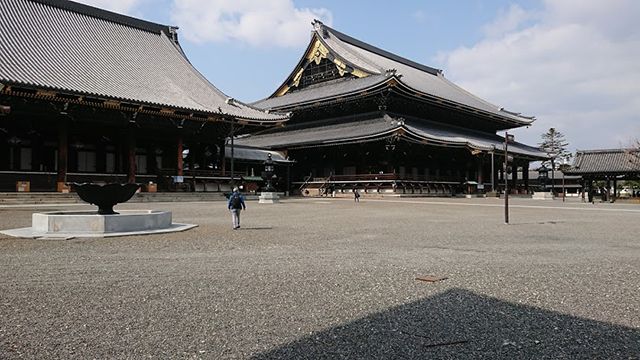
(327, 278)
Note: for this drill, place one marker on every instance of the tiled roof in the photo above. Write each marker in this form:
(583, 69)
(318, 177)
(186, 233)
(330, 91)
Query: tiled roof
(377, 62)
(377, 128)
(254, 154)
(417, 76)
(328, 90)
(609, 161)
(437, 133)
(322, 134)
(68, 47)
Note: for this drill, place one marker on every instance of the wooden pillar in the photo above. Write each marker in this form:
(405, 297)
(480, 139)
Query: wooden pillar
(480, 171)
(221, 156)
(494, 172)
(131, 155)
(101, 157)
(36, 153)
(63, 154)
(193, 154)
(152, 165)
(514, 177)
(179, 163)
(525, 175)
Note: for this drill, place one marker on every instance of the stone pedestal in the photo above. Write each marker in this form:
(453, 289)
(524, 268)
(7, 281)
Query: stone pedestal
(70, 224)
(539, 195)
(78, 222)
(268, 198)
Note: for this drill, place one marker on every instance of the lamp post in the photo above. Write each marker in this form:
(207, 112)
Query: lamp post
(507, 139)
(543, 175)
(564, 193)
(553, 176)
(268, 173)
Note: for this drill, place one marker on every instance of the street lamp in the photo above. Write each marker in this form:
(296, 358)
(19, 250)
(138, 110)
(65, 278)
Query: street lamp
(268, 173)
(564, 192)
(553, 176)
(543, 176)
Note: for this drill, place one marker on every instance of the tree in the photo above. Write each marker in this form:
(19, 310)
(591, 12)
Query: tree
(634, 151)
(555, 146)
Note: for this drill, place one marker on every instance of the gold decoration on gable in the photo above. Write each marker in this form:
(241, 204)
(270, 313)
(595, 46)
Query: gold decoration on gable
(316, 54)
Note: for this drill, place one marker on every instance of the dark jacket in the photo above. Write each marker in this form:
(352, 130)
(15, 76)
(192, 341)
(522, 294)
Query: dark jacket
(230, 203)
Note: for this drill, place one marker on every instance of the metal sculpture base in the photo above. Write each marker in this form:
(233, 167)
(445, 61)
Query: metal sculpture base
(70, 224)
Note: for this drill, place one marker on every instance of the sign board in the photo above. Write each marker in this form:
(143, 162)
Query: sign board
(480, 186)
(178, 179)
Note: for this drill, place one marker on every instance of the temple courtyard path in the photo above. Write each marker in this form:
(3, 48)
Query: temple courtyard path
(328, 278)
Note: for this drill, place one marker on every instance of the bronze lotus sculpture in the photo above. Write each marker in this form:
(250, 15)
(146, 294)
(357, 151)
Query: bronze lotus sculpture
(105, 196)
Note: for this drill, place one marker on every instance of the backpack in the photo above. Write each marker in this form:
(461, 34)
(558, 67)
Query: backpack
(236, 202)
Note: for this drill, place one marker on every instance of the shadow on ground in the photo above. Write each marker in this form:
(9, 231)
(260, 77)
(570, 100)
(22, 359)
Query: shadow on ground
(460, 324)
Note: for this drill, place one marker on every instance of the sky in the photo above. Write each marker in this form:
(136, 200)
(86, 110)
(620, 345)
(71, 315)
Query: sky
(573, 64)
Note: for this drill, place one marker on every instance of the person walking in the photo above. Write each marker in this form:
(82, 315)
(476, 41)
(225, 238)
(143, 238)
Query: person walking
(356, 195)
(235, 205)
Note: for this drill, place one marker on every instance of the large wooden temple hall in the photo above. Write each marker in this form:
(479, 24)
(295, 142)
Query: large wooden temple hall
(364, 118)
(88, 95)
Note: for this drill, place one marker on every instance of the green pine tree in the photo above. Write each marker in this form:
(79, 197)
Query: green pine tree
(555, 145)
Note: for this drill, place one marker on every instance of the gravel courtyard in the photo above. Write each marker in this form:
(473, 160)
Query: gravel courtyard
(328, 278)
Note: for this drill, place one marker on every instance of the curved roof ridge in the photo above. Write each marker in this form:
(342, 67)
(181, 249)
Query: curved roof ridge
(527, 119)
(339, 50)
(377, 50)
(107, 15)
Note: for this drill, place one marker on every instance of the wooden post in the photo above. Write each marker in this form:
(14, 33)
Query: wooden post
(222, 160)
(131, 151)
(63, 154)
(525, 175)
(514, 176)
(480, 174)
(179, 163)
(494, 172)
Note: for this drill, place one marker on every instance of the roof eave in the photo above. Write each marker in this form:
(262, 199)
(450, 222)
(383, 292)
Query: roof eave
(53, 94)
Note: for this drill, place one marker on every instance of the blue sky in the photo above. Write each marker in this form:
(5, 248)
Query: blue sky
(571, 63)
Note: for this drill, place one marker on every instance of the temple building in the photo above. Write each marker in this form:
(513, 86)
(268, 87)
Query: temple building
(608, 166)
(88, 95)
(367, 119)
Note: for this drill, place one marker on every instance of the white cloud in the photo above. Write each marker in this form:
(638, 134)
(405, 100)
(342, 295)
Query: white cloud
(507, 21)
(258, 23)
(119, 6)
(575, 67)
